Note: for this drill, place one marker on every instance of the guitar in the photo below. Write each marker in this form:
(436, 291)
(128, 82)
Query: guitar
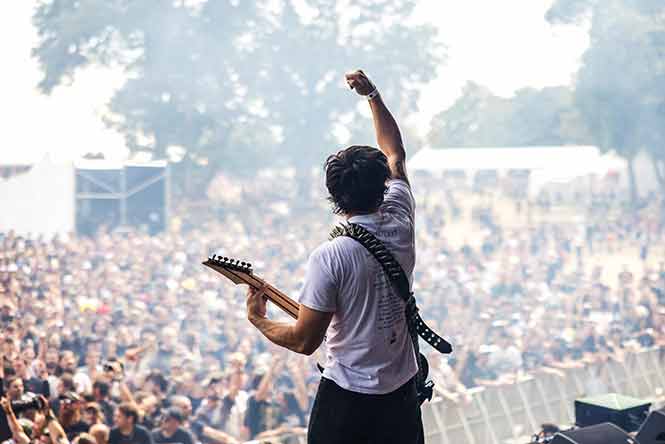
(241, 273)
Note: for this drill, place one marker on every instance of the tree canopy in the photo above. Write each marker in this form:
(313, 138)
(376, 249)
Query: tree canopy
(530, 118)
(619, 87)
(235, 84)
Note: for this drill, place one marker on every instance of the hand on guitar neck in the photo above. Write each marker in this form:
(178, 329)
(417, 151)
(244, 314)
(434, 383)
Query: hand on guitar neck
(310, 327)
(241, 273)
(256, 301)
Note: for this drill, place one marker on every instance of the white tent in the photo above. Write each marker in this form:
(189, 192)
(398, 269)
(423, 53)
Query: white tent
(526, 158)
(547, 165)
(40, 200)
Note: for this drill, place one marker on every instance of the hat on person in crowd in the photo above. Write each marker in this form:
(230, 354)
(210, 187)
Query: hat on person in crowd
(70, 396)
(174, 413)
(158, 378)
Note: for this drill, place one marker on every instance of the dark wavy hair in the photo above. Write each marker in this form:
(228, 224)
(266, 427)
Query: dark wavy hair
(356, 179)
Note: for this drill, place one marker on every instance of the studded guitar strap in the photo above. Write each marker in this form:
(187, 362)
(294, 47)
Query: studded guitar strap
(398, 278)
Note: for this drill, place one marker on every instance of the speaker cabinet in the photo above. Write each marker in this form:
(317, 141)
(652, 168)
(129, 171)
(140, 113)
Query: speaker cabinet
(653, 429)
(606, 433)
(623, 411)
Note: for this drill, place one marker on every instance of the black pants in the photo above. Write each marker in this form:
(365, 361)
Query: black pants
(345, 417)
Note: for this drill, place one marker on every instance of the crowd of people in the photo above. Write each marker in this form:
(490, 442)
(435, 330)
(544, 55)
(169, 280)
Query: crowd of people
(125, 337)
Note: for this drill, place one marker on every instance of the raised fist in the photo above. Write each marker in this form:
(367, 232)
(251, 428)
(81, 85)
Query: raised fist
(360, 82)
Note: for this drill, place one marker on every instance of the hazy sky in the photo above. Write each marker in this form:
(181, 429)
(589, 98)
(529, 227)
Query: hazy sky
(504, 45)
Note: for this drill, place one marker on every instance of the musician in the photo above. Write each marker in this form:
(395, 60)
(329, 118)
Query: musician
(367, 392)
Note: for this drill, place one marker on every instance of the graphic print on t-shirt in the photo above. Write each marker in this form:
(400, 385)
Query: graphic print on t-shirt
(390, 311)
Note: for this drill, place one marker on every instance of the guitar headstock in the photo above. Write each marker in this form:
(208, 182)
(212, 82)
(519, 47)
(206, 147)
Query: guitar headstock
(231, 264)
(233, 269)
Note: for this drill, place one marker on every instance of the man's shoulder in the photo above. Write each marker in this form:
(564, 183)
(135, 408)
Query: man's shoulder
(399, 197)
(185, 435)
(114, 435)
(331, 248)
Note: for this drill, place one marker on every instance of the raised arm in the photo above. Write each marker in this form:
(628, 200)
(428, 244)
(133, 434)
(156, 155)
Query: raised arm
(18, 435)
(388, 135)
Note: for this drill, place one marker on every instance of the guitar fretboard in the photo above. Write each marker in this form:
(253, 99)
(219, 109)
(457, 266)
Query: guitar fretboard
(274, 295)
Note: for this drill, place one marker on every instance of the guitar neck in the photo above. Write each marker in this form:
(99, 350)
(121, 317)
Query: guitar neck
(284, 302)
(274, 295)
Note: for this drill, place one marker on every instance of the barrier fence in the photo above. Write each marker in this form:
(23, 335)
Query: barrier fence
(509, 413)
(497, 415)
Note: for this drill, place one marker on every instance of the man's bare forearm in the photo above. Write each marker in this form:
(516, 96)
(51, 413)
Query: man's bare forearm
(387, 132)
(388, 135)
(280, 333)
(389, 138)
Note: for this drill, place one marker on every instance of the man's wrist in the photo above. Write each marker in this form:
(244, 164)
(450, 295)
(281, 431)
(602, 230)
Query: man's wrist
(373, 94)
(256, 320)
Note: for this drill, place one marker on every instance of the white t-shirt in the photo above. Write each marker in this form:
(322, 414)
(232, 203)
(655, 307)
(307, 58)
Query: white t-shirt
(369, 349)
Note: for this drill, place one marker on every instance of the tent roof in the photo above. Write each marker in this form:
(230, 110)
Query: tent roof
(104, 164)
(529, 158)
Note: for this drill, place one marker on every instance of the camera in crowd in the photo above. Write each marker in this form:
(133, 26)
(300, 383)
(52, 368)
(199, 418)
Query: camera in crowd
(116, 368)
(29, 402)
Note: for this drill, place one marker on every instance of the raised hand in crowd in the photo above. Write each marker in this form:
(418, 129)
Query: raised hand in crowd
(18, 435)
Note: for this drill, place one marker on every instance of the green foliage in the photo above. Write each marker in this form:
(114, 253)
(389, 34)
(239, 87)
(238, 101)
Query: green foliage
(530, 118)
(619, 88)
(236, 83)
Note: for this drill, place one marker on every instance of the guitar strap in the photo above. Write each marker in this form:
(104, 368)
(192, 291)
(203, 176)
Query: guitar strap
(398, 278)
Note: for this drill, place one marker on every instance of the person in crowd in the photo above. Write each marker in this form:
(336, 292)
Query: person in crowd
(171, 429)
(92, 414)
(19, 435)
(31, 383)
(263, 412)
(101, 393)
(84, 376)
(14, 388)
(101, 433)
(184, 404)
(70, 415)
(126, 429)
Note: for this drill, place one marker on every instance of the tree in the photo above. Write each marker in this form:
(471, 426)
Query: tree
(235, 84)
(530, 118)
(619, 86)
